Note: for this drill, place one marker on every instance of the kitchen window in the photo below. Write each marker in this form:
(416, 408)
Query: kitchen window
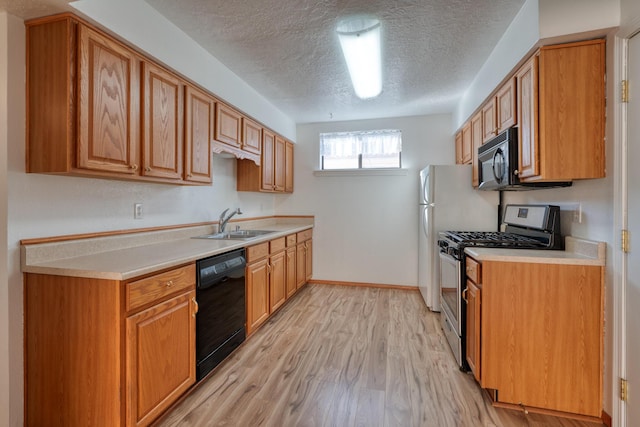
(375, 149)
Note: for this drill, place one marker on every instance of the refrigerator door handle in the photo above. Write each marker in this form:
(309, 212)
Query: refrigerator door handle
(425, 219)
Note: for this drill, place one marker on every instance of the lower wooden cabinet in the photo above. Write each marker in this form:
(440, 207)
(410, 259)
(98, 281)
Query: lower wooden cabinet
(160, 357)
(107, 352)
(541, 335)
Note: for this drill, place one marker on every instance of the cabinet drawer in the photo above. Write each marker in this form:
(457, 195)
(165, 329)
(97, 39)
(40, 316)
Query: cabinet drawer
(304, 235)
(291, 240)
(154, 288)
(473, 270)
(277, 245)
(257, 252)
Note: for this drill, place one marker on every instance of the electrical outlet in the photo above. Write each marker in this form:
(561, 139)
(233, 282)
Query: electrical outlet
(137, 211)
(577, 213)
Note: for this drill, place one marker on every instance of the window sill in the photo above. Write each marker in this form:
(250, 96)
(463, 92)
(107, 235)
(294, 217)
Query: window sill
(361, 172)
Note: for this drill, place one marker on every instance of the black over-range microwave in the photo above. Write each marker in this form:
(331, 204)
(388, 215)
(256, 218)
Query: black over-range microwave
(498, 165)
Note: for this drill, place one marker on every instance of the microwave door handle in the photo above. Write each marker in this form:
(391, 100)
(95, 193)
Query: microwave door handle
(499, 165)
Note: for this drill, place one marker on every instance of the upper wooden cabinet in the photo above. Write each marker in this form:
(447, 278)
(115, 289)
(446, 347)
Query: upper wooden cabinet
(198, 122)
(251, 136)
(228, 125)
(288, 164)
(98, 108)
(162, 120)
(499, 112)
(458, 147)
(466, 144)
(476, 142)
(561, 113)
(275, 173)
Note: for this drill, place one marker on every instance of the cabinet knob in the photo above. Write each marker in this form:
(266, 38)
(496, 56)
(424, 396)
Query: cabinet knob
(133, 167)
(464, 294)
(196, 308)
(169, 283)
(516, 172)
(147, 169)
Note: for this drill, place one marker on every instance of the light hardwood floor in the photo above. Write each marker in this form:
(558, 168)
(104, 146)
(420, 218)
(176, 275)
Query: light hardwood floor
(346, 356)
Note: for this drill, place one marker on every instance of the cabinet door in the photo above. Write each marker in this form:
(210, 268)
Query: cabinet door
(257, 294)
(506, 104)
(291, 272)
(459, 148)
(267, 163)
(279, 163)
(160, 357)
(308, 258)
(466, 143)
(108, 108)
(473, 328)
(527, 89)
(228, 125)
(542, 329)
(198, 121)
(476, 142)
(301, 264)
(288, 163)
(277, 281)
(489, 120)
(162, 123)
(251, 136)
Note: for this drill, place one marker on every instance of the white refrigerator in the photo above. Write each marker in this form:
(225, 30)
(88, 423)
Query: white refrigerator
(448, 202)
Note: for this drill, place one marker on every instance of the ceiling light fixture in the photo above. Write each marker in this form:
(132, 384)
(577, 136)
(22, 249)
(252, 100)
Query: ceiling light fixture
(360, 42)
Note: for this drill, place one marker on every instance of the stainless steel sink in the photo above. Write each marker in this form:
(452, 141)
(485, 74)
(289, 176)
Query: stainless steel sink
(236, 235)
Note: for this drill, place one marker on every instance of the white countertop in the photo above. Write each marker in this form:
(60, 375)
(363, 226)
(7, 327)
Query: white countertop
(577, 252)
(108, 261)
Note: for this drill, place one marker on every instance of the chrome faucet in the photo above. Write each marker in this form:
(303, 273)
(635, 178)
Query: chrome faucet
(222, 222)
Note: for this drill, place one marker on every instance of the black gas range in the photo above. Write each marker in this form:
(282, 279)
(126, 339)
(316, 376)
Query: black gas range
(525, 227)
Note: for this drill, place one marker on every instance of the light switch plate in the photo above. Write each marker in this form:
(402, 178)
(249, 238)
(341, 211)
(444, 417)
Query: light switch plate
(137, 211)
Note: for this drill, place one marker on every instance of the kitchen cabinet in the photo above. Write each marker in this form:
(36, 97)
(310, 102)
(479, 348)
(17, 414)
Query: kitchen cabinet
(107, 352)
(304, 258)
(541, 335)
(93, 132)
(288, 164)
(499, 112)
(466, 143)
(561, 113)
(257, 278)
(199, 123)
(290, 278)
(277, 274)
(275, 172)
(162, 122)
(228, 125)
(98, 108)
(476, 142)
(251, 136)
(473, 298)
(458, 147)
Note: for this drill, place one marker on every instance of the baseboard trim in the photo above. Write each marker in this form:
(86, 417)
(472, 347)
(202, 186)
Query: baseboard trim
(606, 418)
(363, 284)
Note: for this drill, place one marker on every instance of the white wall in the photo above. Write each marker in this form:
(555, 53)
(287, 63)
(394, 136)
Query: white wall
(366, 226)
(4, 290)
(558, 18)
(164, 41)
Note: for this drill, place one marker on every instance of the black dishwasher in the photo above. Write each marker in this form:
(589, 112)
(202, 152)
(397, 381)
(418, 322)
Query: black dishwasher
(220, 322)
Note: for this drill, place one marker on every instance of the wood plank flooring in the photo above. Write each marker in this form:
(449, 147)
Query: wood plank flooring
(346, 356)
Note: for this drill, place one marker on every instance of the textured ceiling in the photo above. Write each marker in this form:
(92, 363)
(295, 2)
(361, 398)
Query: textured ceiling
(289, 52)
